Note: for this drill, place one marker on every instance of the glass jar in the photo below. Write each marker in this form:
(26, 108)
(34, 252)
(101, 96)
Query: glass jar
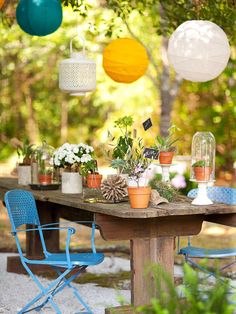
(45, 167)
(203, 157)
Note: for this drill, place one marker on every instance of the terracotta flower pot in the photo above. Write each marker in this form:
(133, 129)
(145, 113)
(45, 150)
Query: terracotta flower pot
(94, 180)
(202, 173)
(166, 157)
(45, 178)
(139, 196)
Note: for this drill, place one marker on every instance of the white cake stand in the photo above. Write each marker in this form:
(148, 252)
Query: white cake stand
(202, 198)
(165, 168)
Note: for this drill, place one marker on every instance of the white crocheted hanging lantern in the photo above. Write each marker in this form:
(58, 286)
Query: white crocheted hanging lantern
(77, 75)
(198, 50)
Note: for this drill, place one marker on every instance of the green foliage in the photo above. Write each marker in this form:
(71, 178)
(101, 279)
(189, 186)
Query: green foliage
(173, 13)
(165, 144)
(125, 140)
(136, 163)
(165, 189)
(196, 300)
(89, 167)
(200, 163)
(25, 151)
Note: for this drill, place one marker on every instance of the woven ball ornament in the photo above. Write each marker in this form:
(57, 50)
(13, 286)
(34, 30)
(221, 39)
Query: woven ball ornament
(39, 17)
(125, 60)
(114, 188)
(199, 50)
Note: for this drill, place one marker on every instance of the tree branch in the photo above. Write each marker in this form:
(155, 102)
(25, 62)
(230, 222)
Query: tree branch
(153, 79)
(150, 55)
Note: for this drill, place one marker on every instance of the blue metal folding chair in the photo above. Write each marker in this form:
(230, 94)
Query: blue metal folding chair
(218, 194)
(22, 210)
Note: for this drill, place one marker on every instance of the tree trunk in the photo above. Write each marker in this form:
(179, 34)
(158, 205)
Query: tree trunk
(64, 122)
(168, 90)
(31, 126)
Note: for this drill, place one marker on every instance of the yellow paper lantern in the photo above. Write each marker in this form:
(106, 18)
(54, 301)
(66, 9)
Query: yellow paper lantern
(2, 4)
(125, 60)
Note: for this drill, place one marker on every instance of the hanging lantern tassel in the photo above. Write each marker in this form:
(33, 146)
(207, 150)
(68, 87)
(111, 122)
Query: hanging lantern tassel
(40, 18)
(199, 50)
(77, 75)
(125, 60)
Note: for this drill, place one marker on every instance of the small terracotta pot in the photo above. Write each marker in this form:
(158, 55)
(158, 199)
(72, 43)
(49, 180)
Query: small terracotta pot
(45, 178)
(139, 196)
(94, 180)
(166, 157)
(202, 173)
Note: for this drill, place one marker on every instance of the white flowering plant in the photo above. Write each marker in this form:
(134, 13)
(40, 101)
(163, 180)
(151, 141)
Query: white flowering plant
(73, 157)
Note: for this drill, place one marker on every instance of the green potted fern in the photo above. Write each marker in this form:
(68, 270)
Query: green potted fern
(166, 147)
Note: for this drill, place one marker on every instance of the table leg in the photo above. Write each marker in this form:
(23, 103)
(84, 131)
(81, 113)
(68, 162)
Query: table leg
(143, 253)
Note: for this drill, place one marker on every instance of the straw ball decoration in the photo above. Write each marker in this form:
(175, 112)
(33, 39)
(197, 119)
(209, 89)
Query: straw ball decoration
(114, 188)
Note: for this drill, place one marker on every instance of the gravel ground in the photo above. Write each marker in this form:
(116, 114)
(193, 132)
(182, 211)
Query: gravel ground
(17, 290)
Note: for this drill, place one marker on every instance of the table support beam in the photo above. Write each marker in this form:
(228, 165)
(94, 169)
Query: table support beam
(145, 253)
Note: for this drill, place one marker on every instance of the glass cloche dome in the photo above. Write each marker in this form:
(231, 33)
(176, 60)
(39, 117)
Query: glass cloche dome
(203, 157)
(203, 165)
(45, 167)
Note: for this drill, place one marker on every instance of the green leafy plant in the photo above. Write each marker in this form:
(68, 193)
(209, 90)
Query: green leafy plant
(194, 299)
(25, 152)
(165, 189)
(136, 163)
(165, 144)
(125, 140)
(89, 167)
(201, 163)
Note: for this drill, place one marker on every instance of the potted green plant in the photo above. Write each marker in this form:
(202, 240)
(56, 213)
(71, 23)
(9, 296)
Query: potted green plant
(90, 171)
(125, 139)
(24, 152)
(202, 170)
(138, 190)
(165, 145)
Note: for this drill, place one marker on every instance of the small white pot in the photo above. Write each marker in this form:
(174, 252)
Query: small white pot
(71, 183)
(24, 175)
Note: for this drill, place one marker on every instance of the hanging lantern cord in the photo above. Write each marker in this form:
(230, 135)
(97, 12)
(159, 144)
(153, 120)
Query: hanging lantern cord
(82, 39)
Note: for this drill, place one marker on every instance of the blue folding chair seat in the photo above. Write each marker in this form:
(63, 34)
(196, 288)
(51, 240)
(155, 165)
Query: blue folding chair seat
(22, 210)
(218, 194)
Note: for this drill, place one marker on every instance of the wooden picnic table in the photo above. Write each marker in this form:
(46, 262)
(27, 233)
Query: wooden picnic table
(151, 231)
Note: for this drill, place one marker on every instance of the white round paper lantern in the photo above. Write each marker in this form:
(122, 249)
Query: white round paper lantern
(77, 75)
(198, 50)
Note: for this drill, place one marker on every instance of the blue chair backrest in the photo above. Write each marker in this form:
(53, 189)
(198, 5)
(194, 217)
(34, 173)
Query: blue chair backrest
(21, 208)
(218, 194)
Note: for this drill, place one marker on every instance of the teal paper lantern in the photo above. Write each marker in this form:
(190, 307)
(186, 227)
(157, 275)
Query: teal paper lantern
(39, 17)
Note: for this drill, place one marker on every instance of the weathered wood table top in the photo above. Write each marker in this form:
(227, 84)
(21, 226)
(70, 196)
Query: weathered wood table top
(122, 210)
(151, 231)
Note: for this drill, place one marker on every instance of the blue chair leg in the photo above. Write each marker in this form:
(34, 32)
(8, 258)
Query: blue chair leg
(44, 292)
(75, 291)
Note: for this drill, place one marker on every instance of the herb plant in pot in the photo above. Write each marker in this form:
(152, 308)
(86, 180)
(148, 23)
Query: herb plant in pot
(139, 195)
(72, 158)
(166, 147)
(121, 145)
(93, 178)
(24, 152)
(202, 170)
